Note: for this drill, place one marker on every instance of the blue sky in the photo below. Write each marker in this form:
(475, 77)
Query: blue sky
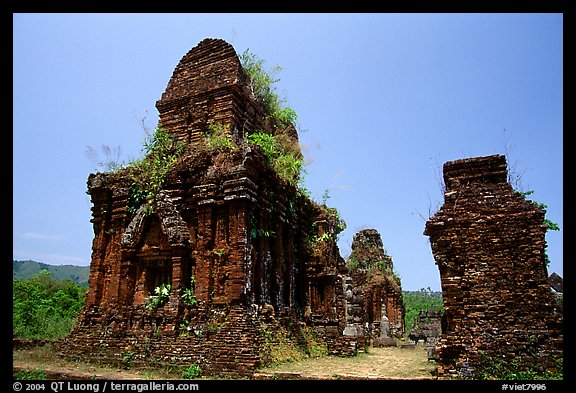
(383, 100)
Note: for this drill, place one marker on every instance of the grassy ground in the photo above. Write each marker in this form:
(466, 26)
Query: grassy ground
(44, 359)
(378, 363)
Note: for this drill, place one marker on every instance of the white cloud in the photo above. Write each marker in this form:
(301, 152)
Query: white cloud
(42, 236)
(49, 258)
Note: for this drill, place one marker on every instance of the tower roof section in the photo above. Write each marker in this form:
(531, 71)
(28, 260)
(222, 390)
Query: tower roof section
(211, 65)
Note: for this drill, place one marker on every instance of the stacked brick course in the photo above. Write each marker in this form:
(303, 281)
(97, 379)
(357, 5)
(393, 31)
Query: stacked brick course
(488, 242)
(209, 85)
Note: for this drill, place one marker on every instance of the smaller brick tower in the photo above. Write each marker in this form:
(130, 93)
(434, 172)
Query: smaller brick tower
(372, 272)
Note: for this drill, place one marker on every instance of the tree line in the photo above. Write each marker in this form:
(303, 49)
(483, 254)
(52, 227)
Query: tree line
(414, 301)
(44, 307)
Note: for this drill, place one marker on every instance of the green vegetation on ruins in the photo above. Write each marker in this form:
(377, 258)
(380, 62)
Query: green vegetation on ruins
(291, 344)
(160, 151)
(263, 87)
(491, 367)
(149, 173)
(281, 151)
(550, 225)
(282, 154)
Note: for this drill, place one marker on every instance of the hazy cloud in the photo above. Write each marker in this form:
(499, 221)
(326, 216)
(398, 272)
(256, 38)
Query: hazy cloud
(42, 236)
(49, 258)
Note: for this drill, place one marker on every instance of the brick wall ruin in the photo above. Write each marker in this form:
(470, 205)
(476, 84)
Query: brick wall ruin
(226, 228)
(427, 331)
(374, 290)
(488, 242)
(427, 328)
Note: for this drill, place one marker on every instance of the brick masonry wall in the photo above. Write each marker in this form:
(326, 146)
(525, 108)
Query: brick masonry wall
(210, 85)
(488, 242)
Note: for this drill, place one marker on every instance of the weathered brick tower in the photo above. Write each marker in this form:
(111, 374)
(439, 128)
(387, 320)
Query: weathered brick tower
(372, 272)
(226, 228)
(488, 242)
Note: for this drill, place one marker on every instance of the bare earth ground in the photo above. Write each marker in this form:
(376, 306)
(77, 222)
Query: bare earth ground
(378, 363)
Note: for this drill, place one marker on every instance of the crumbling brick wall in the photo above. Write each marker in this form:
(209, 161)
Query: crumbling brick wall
(427, 328)
(225, 227)
(488, 242)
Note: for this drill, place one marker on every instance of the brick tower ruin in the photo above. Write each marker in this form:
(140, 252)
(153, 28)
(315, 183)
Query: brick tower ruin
(380, 308)
(489, 242)
(254, 251)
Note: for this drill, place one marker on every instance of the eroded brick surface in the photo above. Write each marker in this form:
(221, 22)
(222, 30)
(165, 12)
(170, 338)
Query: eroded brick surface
(488, 242)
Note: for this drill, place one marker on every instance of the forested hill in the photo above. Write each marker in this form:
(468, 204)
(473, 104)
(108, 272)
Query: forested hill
(27, 269)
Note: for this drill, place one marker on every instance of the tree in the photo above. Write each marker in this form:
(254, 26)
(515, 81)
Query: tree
(44, 307)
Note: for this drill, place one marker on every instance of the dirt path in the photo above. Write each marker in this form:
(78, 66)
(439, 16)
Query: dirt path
(378, 363)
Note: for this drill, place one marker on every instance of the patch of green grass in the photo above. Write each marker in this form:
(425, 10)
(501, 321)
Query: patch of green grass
(31, 375)
(292, 345)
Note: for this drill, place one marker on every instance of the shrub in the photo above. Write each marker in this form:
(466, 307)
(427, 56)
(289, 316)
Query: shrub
(263, 86)
(162, 294)
(193, 371)
(148, 174)
(187, 294)
(280, 154)
(218, 138)
(492, 367)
